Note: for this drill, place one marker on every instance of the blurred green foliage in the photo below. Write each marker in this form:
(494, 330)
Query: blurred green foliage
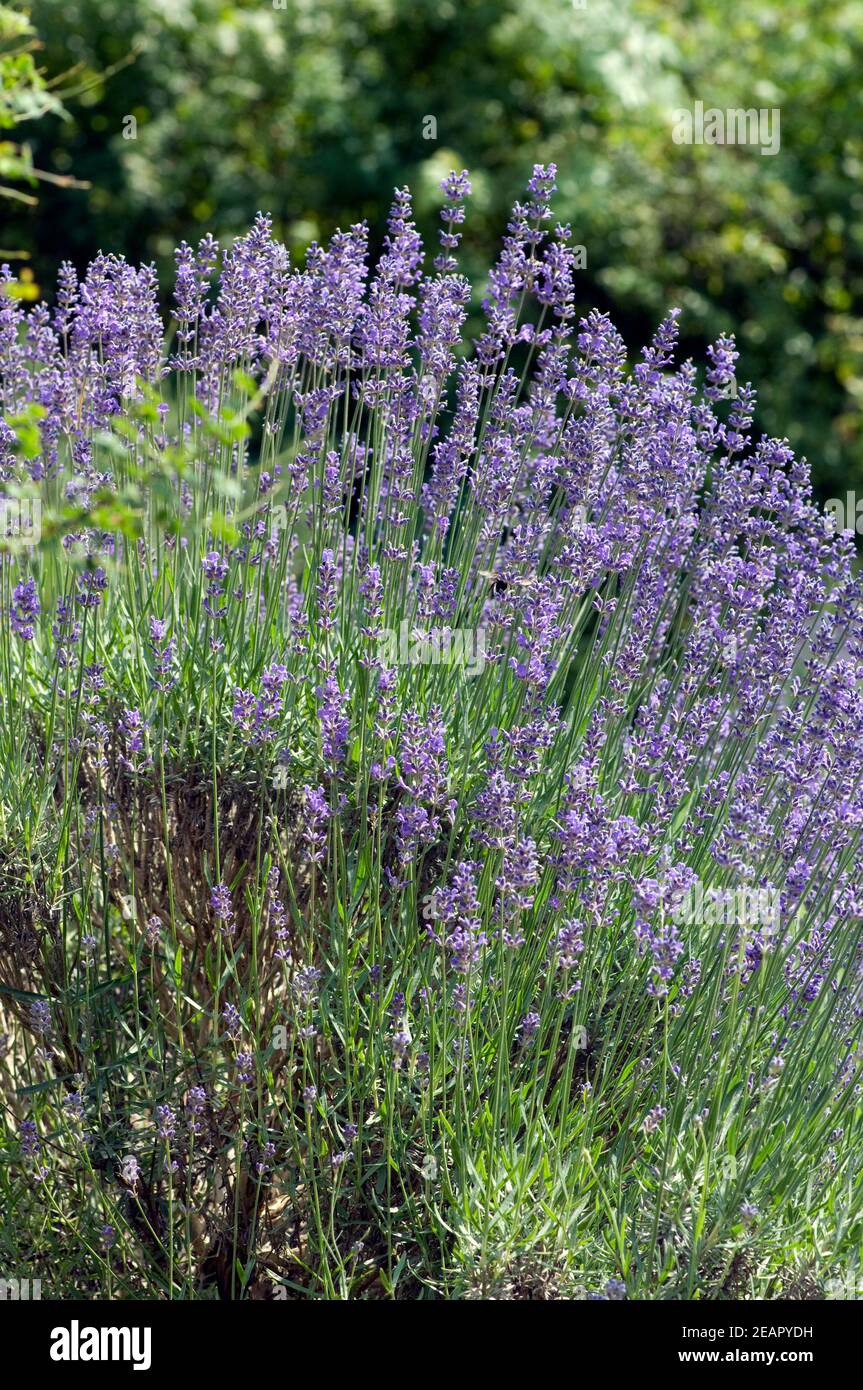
(24, 96)
(316, 109)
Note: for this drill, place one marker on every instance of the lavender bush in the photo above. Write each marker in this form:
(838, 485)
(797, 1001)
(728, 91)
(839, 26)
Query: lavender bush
(430, 793)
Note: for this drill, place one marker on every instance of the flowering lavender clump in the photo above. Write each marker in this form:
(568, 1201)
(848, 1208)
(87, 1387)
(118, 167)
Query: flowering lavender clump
(73, 1105)
(130, 1171)
(231, 1020)
(305, 985)
(529, 1026)
(163, 650)
(40, 1018)
(400, 1041)
(257, 717)
(194, 1106)
(317, 813)
(132, 728)
(91, 585)
(456, 188)
(397, 712)
(153, 930)
(166, 1122)
(223, 909)
(25, 609)
(30, 1145)
(654, 1118)
(215, 569)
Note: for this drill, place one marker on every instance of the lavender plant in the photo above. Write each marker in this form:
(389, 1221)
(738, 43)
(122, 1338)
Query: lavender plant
(430, 793)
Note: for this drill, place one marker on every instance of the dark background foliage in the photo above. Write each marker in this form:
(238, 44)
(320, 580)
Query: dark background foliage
(316, 109)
